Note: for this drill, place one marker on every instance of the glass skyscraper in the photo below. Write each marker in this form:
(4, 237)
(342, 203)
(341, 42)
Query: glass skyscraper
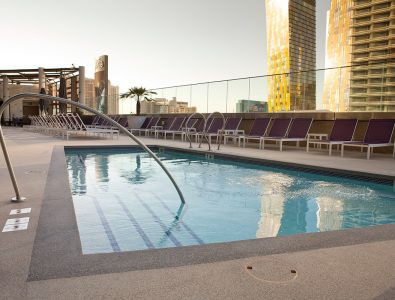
(336, 91)
(291, 45)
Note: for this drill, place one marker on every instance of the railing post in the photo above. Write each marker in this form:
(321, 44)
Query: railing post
(17, 197)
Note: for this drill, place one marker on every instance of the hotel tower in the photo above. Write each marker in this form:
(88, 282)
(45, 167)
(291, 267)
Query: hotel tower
(291, 52)
(336, 92)
(360, 33)
(372, 86)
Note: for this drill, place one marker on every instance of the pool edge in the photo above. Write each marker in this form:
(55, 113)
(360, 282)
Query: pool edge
(57, 250)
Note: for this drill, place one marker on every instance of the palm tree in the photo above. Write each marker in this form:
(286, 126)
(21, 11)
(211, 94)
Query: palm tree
(138, 93)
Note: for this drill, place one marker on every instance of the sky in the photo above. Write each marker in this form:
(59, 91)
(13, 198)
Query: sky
(152, 43)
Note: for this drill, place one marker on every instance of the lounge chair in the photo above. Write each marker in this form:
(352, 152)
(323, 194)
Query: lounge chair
(96, 121)
(297, 132)
(213, 130)
(152, 123)
(79, 126)
(143, 126)
(166, 126)
(342, 131)
(123, 121)
(58, 125)
(175, 127)
(258, 130)
(189, 126)
(197, 131)
(107, 125)
(231, 130)
(378, 134)
(278, 130)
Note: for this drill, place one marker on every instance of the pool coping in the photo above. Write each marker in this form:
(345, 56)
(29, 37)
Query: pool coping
(57, 249)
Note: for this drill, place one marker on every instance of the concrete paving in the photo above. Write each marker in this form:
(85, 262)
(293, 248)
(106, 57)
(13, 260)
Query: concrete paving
(363, 271)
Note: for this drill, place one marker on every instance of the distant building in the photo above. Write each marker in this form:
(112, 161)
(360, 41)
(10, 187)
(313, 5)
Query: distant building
(372, 86)
(360, 34)
(291, 48)
(336, 94)
(247, 106)
(180, 107)
(156, 106)
(93, 101)
(164, 106)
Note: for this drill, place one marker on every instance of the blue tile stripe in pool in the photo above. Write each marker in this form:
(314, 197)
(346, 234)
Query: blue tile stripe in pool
(110, 235)
(159, 221)
(187, 228)
(136, 225)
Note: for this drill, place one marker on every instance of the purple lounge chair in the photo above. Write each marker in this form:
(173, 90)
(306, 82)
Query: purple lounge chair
(123, 121)
(143, 125)
(378, 134)
(342, 131)
(258, 131)
(216, 124)
(174, 127)
(297, 132)
(199, 127)
(166, 126)
(106, 124)
(189, 126)
(231, 129)
(151, 125)
(279, 130)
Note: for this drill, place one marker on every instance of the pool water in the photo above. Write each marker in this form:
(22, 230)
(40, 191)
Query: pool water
(124, 201)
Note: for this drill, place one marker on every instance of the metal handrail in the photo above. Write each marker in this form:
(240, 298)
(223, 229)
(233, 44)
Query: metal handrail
(7, 102)
(187, 131)
(205, 130)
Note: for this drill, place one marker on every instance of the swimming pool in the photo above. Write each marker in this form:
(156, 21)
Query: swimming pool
(123, 201)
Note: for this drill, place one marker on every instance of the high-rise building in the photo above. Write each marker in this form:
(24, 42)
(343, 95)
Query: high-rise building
(372, 86)
(92, 100)
(336, 91)
(291, 50)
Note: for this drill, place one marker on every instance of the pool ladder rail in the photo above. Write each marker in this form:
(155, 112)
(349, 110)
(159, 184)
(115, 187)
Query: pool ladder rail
(205, 134)
(6, 103)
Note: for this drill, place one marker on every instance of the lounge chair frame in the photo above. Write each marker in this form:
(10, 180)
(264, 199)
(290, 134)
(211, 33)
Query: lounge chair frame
(328, 142)
(281, 140)
(245, 137)
(274, 138)
(370, 146)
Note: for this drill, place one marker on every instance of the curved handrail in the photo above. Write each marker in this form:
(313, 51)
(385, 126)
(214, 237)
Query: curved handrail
(190, 117)
(79, 105)
(221, 132)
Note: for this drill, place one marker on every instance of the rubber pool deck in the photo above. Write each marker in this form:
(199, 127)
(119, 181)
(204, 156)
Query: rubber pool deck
(363, 270)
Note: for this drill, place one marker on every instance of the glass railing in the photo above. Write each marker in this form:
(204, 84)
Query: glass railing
(361, 87)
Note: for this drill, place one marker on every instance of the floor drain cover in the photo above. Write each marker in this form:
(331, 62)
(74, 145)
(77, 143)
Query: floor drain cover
(272, 270)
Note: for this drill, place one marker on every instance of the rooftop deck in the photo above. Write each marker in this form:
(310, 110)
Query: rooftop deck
(357, 269)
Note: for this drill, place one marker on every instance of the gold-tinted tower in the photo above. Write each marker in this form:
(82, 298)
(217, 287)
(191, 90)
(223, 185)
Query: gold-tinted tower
(291, 49)
(336, 91)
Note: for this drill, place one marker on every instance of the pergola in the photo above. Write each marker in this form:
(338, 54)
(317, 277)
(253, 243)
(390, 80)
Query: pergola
(47, 78)
(32, 76)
